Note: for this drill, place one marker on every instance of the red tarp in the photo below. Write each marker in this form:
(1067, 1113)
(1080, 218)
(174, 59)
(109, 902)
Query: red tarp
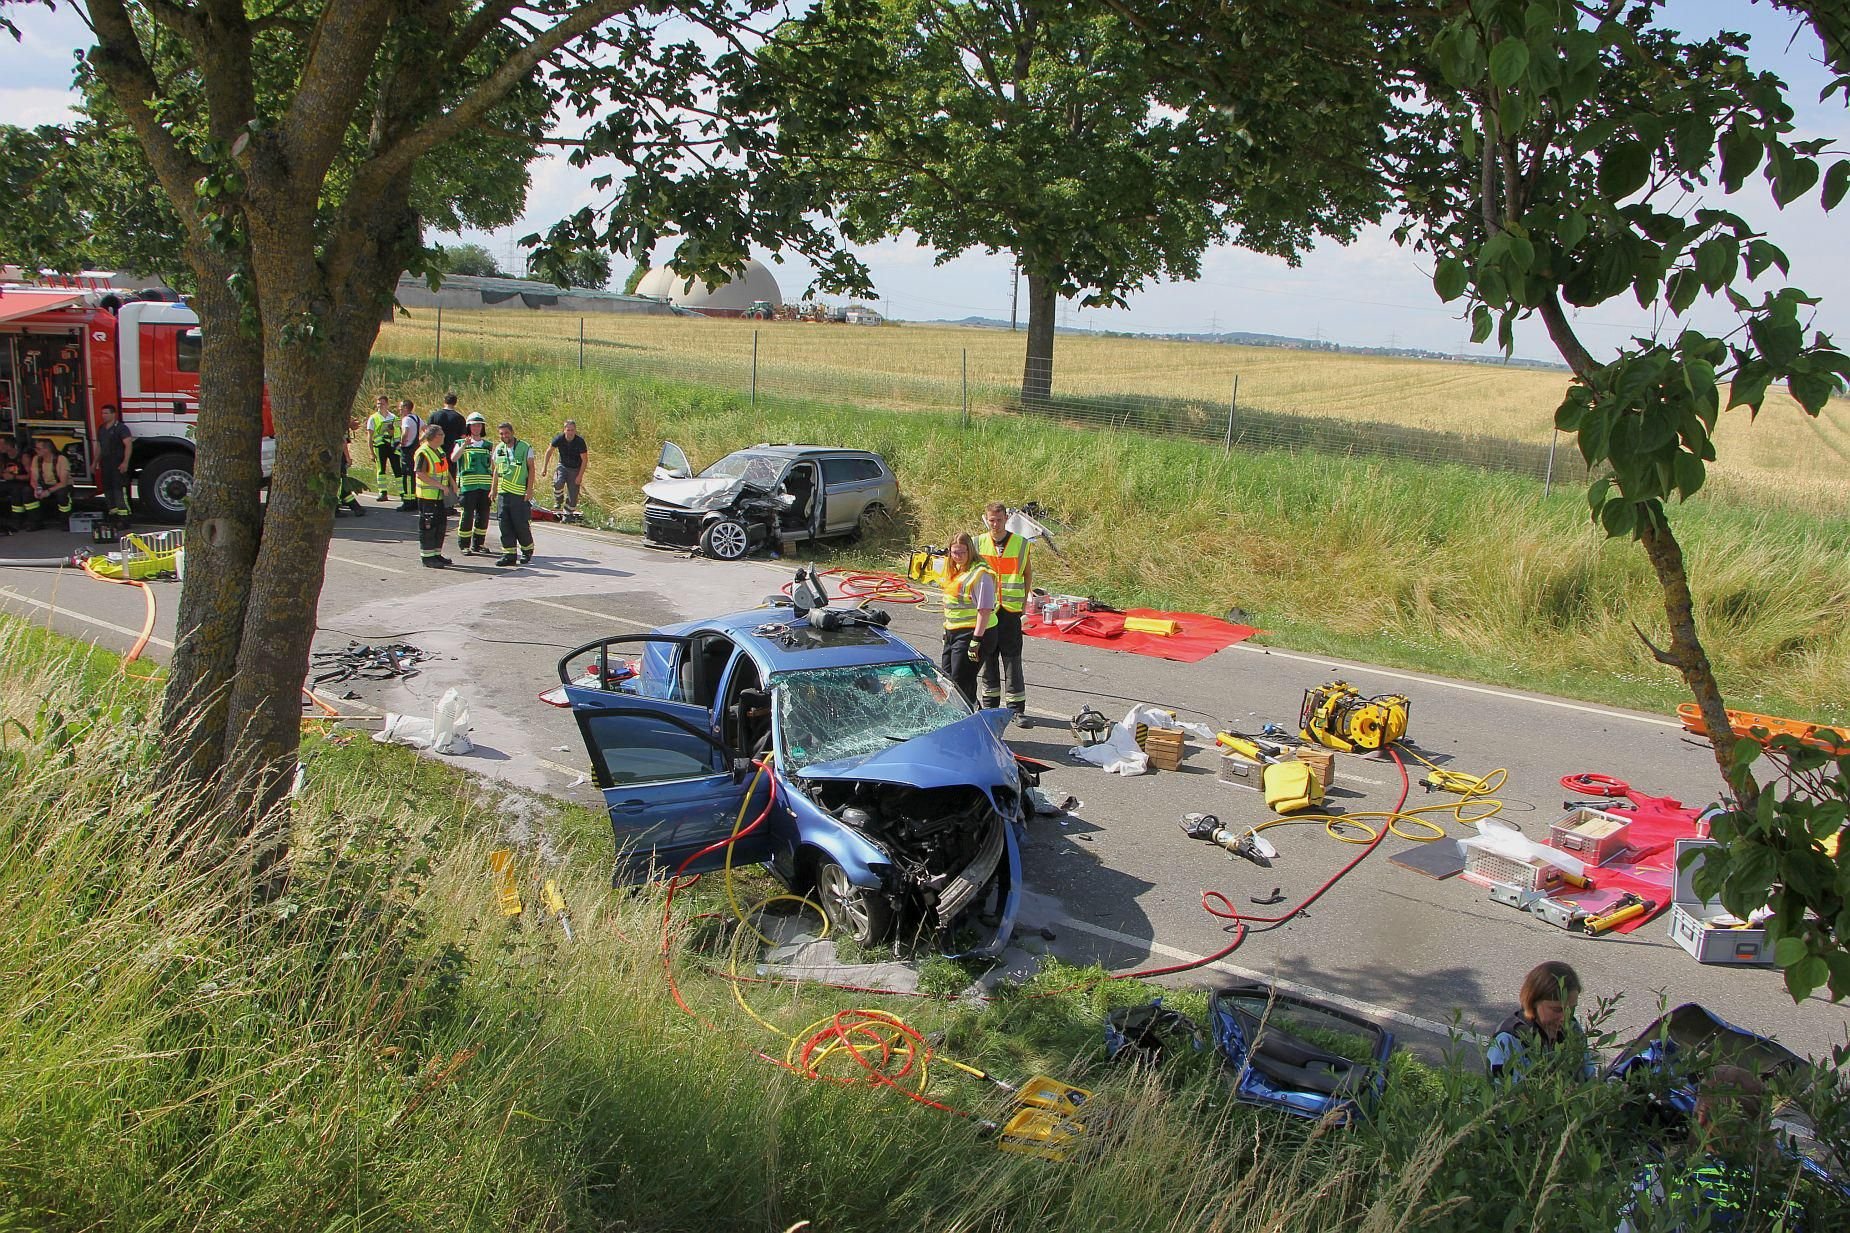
(1648, 869)
(1201, 636)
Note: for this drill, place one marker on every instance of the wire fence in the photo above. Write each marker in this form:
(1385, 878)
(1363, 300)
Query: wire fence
(974, 372)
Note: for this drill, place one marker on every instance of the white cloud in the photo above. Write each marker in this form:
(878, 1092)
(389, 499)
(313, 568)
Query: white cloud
(31, 106)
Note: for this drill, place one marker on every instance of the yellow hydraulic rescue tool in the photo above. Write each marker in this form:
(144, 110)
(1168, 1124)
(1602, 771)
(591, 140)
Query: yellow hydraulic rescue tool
(1337, 716)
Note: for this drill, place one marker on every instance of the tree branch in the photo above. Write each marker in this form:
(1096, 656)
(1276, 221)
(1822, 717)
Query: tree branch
(124, 68)
(340, 59)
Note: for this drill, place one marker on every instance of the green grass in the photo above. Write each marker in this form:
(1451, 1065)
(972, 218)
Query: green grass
(1438, 568)
(378, 1048)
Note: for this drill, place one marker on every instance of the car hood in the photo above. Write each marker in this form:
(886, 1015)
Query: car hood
(697, 493)
(969, 751)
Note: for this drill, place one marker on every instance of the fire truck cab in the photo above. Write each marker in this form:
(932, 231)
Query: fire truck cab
(64, 356)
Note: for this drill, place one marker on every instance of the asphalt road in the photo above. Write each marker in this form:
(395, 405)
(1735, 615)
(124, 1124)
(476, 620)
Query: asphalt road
(1116, 882)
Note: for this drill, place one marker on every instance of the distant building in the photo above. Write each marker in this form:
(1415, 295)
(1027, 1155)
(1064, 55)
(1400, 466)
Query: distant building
(470, 291)
(861, 314)
(728, 299)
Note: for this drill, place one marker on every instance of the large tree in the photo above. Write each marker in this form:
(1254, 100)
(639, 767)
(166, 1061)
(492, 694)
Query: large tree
(1053, 133)
(303, 149)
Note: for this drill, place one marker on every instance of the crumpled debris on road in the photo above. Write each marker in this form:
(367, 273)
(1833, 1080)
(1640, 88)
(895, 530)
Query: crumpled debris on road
(395, 661)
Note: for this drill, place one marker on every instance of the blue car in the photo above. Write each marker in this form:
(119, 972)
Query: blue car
(897, 807)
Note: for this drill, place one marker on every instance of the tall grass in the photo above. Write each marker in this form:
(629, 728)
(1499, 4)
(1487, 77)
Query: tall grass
(379, 1049)
(1439, 568)
(1422, 409)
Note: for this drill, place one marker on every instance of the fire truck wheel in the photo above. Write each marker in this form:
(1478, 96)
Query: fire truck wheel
(163, 487)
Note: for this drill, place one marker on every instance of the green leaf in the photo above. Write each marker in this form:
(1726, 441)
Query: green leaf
(1481, 323)
(1793, 178)
(1811, 390)
(1509, 60)
(1748, 389)
(1761, 254)
(1449, 278)
(1836, 183)
(1573, 227)
(1618, 516)
(1624, 168)
(1806, 975)
(1788, 951)
(1689, 474)
(1742, 150)
(1715, 262)
(1682, 290)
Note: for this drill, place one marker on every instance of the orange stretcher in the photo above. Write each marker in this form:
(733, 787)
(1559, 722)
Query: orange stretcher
(1764, 728)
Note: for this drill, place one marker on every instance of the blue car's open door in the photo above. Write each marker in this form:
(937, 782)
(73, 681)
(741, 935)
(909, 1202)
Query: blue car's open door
(668, 785)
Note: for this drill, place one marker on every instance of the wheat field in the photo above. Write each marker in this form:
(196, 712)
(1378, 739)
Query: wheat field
(1782, 457)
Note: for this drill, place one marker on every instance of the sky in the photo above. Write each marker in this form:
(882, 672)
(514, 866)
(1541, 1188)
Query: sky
(1370, 293)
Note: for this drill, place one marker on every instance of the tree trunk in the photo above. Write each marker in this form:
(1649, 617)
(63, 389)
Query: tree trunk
(1037, 370)
(224, 521)
(1686, 653)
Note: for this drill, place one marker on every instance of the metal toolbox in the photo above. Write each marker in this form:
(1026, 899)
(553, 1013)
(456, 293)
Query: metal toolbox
(1487, 869)
(1703, 927)
(1596, 836)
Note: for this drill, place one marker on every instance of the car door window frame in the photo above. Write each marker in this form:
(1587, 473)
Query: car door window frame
(716, 764)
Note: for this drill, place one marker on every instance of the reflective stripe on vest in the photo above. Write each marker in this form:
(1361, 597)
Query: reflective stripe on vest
(960, 600)
(511, 463)
(476, 470)
(1010, 566)
(430, 459)
(383, 428)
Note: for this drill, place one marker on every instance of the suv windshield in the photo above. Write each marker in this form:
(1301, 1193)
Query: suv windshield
(829, 713)
(758, 470)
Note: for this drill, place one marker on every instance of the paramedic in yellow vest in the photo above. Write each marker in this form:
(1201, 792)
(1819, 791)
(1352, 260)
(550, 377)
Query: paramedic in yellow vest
(382, 439)
(431, 473)
(969, 613)
(1006, 554)
(513, 497)
(473, 464)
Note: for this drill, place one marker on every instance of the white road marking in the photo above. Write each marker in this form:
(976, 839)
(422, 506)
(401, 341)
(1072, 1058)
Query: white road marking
(1367, 1009)
(367, 564)
(586, 612)
(111, 626)
(1659, 721)
(549, 764)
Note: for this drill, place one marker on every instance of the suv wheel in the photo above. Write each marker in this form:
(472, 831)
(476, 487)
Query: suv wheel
(725, 539)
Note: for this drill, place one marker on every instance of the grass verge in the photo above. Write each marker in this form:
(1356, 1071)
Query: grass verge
(378, 1048)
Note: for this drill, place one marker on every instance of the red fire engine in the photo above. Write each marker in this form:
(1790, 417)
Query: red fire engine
(64, 356)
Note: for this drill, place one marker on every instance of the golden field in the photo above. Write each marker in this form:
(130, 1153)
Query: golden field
(1783, 458)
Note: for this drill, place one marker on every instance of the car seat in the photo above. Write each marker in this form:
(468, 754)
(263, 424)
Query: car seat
(801, 487)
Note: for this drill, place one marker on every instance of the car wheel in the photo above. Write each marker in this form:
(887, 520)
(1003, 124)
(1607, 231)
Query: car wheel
(163, 487)
(725, 540)
(873, 518)
(853, 911)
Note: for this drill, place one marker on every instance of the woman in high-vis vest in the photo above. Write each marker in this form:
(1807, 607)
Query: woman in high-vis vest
(430, 468)
(969, 614)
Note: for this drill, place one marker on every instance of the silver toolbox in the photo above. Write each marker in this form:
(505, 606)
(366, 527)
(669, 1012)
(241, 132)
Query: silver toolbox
(1703, 927)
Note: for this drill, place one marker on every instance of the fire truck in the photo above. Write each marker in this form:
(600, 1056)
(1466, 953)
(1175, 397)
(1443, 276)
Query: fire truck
(67, 351)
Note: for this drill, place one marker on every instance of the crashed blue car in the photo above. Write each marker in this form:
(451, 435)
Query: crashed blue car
(898, 809)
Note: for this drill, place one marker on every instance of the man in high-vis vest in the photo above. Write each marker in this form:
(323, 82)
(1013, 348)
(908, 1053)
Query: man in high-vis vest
(431, 473)
(513, 497)
(474, 465)
(382, 439)
(1006, 554)
(969, 614)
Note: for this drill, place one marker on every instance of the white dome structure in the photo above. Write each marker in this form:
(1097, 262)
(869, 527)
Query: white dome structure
(729, 299)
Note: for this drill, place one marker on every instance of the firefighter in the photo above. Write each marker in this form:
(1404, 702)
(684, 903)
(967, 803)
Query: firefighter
(382, 437)
(512, 494)
(14, 490)
(969, 613)
(431, 473)
(115, 446)
(1006, 554)
(473, 463)
(50, 475)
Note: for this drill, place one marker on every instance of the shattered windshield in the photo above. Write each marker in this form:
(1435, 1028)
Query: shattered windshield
(829, 713)
(758, 470)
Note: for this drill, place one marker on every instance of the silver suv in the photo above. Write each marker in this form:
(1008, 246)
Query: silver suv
(766, 495)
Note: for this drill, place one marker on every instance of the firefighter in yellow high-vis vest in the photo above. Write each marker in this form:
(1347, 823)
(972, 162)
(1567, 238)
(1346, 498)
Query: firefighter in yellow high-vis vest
(969, 613)
(472, 460)
(1006, 554)
(431, 472)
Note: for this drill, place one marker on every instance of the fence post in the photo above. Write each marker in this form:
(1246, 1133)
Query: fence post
(1233, 407)
(439, 357)
(966, 387)
(1548, 480)
(581, 344)
(754, 369)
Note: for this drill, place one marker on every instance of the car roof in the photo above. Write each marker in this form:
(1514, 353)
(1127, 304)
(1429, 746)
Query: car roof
(788, 450)
(857, 647)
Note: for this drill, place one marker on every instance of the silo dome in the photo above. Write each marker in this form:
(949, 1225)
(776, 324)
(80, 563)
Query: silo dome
(729, 298)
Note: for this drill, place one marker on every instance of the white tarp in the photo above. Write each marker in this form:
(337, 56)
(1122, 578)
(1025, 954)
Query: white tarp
(446, 732)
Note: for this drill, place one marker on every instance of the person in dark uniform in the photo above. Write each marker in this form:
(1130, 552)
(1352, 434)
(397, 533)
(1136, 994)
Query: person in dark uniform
(114, 445)
(1542, 1023)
